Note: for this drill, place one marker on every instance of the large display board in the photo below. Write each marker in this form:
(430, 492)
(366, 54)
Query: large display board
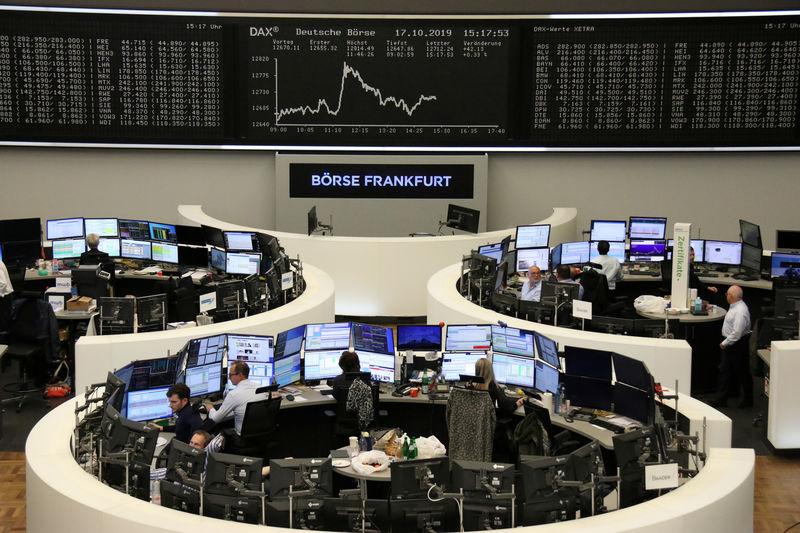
(672, 81)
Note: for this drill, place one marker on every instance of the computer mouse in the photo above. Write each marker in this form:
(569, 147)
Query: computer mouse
(289, 397)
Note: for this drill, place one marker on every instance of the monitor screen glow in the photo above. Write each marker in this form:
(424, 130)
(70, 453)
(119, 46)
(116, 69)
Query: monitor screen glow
(68, 248)
(513, 370)
(546, 377)
(456, 363)
(615, 250)
(494, 251)
(242, 263)
(785, 265)
(468, 337)
(512, 341)
(527, 257)
(164, 253)
(163, 232)
(608, 230)
(323, 364)
(574, 253)
(102, 227)
(536, 236)
(723, 252)
(332, 336)
(241, 241)
(647, 227)
(132, 249)
(110, 246)
(64, 228)
(150, 404)
(647, 250)
(379, 365)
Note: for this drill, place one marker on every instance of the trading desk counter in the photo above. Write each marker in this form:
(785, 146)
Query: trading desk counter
(96, 355)
(62, 497)
(712, 278)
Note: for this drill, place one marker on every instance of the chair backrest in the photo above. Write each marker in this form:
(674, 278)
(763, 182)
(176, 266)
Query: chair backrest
(361, 402)
(25, 324)
(595, 287)
(261, 417)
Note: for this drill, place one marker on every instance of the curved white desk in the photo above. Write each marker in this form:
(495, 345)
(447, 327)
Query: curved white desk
(667, 359)
(96, 355)
(384, 276)
(62, 497)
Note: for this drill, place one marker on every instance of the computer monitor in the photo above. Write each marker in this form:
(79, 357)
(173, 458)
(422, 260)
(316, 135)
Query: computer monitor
(24, 253)
(723, 252)
(463, 218)
(117, 315)
(647, 227)
(273, 284)
(152, 312)
(477, 478)
(242, 509)
(346, 515)
(213, 236)
(632, 372)
(102, 227)
(179, 497)
(121, 434)
(205, 350)
(750, 233)
(191, 256)
(515, 370)
(785, 265)
(242, 263)
(218, 260)
(505, 302)
(21, 229)
(787, 301)
(190, 235)
(454, 364)
(534, 236)
(615, 250)
(68, 248)
(372, 338)
(787, 240)
(146, 405)
(379, 365)
(545, 377)
(587, 362)
(132, 249)
(137, 230)
(547, 349)
(574, 253)
(471, 337)
(633, 403)
(227, 474)
(250, 348)
(110, 246)
(413, 479)
(323, 364)
(564, 292)
(163, 252)
(512, 341)
(419, 338)
(204, 380)
(536, 311)
(240, 241)
(647, 250)
(314, 474)
(632, 450)
(540, 475)
(312, 222)
(527, 257)
(420, 514)
(584, 391)
(289, 342)
(230, 301)
(185, 462)
(613, 325)
(152, 373)
(269, 246)
(64, 228)
(163, 232)
(287, 369)
(330, 336)
(698, 245)
(495, 251)
(751, 260)
(608, 230)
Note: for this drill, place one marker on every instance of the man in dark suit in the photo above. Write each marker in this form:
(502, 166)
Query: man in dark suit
(95, 257)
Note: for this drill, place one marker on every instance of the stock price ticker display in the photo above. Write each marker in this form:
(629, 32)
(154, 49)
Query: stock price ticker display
(378, 81)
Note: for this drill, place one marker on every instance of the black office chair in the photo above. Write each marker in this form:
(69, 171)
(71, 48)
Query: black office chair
(33, 341)
(91, 281)
(346, 421)
(259, 426)
(16, 275)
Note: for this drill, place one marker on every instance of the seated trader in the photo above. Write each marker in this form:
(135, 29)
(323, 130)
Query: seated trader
(564, 275)
(95, 257)
(6, 297)
(189, 419)
(348, 362)
(608, 265)
(202, 440)
(532, 289)
(235, 403)
(694, 281)
(506, 405)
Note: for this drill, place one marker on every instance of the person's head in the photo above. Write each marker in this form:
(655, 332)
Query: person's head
(734, 294)
(563, 272)
(691, 255)
(93, 241)
(483, 368)
(238, 371)
(200, 439)
(603, 247)
(349, 362)
(178, 396)
(534, 274)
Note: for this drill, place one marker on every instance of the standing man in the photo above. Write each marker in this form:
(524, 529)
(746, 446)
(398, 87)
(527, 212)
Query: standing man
(235, 403)
(608, 265)
(734, 364)
(532, 290)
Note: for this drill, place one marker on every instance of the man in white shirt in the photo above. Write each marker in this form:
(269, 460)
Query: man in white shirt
(532, 289)
(6, 296)
(235, 403)
(734, 363)
(608, 265)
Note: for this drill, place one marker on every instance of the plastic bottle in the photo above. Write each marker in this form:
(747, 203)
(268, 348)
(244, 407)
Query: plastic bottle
(557, 400)
(698, 304)
(55, 266)
(412, 449)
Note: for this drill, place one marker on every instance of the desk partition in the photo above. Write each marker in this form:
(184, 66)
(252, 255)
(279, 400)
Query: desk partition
(783, 426)
(384, 276)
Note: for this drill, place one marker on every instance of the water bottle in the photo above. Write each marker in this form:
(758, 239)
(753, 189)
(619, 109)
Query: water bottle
(557, 400)
(412, 449)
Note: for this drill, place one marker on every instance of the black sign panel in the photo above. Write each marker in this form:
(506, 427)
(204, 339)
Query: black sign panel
(312, 180)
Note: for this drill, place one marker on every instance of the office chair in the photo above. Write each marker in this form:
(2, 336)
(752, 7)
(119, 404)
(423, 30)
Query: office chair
(560, 442)
(259, 426)
(33, 340)
(91, 281)
(346, 421)
(16, 275)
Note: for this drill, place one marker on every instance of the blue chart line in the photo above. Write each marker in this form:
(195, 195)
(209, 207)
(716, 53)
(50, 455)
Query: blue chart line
(347, 70)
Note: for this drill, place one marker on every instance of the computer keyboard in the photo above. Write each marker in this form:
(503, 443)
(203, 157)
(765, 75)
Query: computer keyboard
(603, 423)
(709, 274)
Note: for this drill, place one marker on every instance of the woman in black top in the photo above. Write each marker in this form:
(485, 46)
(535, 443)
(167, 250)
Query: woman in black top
(348, 362)
(506, 405)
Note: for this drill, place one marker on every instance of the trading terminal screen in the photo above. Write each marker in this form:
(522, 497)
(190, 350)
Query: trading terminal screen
(289, 342)
(512, 341)
(131, 249)
(417, 338)
(330, 336)
(546, 377)
(782, 265)
(698, 245)
(379, 365)
(527, 257)
(456, 363)
(322, 365)
(68, 248)
(647, 227)
(163, 232)
(164, 253)
(647, 250)
(495, 251)
(547, 349)
(204, 379)
(723, 252)
(468, 337)
(150, 404)
(615, 250)
(102, 227)
(372, 338)
(513, 370)
(110, 246)
(242, 263)
(134, 229)
(536, 236)
(205, 350)
(287, 370)
(241, 241)
(575, 253)
(608, 230)
(64, 228)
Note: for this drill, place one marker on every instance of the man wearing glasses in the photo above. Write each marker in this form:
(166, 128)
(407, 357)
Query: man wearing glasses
(235, 403)
(532, 290)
